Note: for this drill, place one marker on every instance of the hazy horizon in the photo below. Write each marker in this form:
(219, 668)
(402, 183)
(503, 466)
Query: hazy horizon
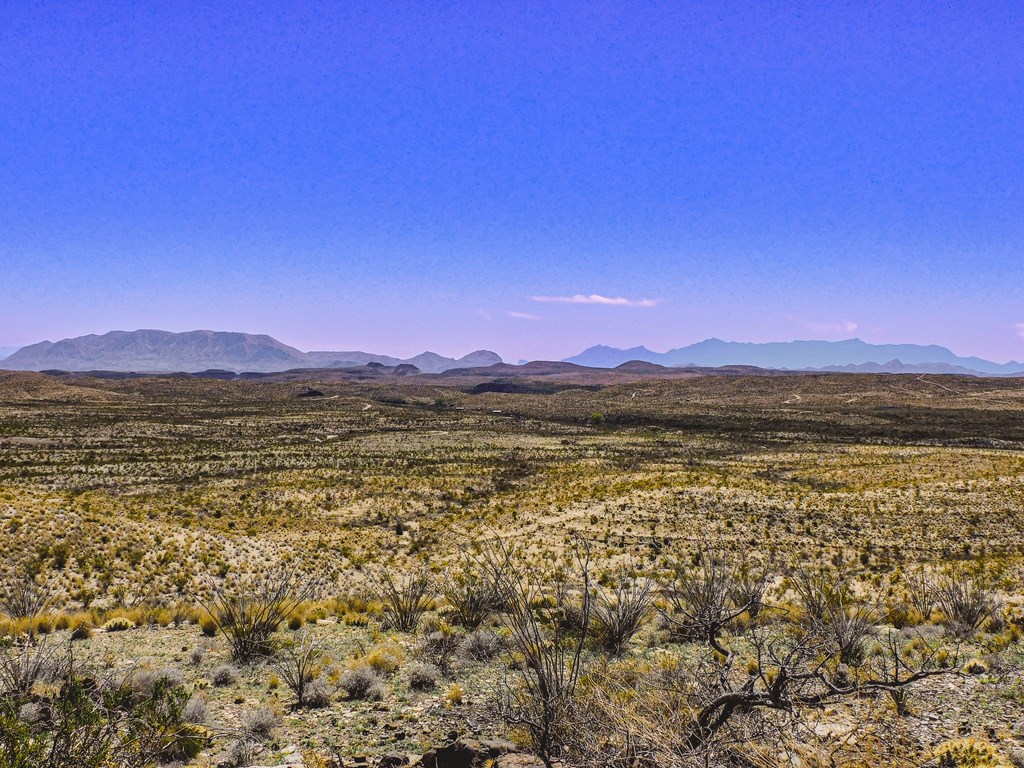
(532, 180)
(6, 351)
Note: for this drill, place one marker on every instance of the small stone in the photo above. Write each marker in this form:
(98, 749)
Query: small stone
(517, 760)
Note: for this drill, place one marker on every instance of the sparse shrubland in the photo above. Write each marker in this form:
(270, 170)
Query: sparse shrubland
(705, 576)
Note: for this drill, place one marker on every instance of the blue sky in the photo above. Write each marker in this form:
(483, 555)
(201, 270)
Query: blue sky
(525, 177)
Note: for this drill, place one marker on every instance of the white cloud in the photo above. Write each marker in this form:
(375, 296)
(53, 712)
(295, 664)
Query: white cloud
(594, 298)
(842, 328)
(845, 327)
(1020, 329)
(522, 315)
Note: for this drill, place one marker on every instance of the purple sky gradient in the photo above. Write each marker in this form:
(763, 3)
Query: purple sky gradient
(415, 177)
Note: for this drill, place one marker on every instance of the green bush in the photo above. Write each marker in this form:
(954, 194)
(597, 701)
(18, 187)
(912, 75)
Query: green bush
(91, 726)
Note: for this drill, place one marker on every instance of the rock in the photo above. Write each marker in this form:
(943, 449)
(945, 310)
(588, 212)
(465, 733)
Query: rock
(455, 755)
(496, 747)
(292, 756)
(465, 753)
(394, 760)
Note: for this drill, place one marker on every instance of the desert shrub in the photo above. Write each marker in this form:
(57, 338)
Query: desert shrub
(23, 596)
(976, 667)
(480, 645)
(145, 681)
(24, 664)
(573, 616)
(423, 677)
(195, 711)
(259, 723)
(688, 709)
(706, 595)
(454, 696)
(318, 693)
(995, 623)
(197, 655)
(471, 597)
(362, 682)
(223, 675)
(833, 616)
(243, 751)
(297, 665)
(746, 588)
(159, 730)
(900, 698)
(549, 653)
(404, 598)
(965, 604)
(903, 615)
(920, 592)
(619, 616)
(248, 612)
(85, 725)
(439, 647)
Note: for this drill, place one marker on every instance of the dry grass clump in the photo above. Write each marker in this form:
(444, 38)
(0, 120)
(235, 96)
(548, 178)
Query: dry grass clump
(385, 659)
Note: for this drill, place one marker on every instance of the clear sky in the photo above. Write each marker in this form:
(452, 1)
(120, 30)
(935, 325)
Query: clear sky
(531, 178)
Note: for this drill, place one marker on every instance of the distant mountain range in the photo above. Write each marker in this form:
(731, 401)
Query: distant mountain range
(192, 351)
(852, 355)
(151, 351)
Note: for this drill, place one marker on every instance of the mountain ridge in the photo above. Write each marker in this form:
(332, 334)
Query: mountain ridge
(156, 351)
(803, 355)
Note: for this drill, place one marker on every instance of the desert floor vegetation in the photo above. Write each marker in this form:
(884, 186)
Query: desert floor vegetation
(712, 573)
